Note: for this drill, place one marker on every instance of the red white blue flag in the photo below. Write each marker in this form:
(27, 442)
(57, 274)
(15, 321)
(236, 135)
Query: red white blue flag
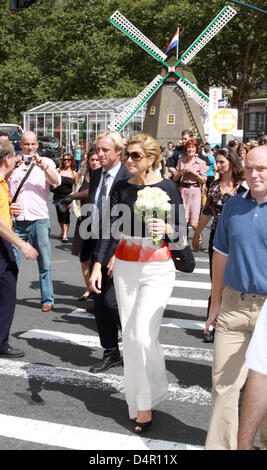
(174, 42)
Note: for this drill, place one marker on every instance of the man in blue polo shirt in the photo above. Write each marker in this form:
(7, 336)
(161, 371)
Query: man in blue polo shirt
(239, 289)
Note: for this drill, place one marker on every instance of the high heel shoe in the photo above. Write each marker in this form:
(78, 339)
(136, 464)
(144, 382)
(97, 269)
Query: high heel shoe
(143, 427)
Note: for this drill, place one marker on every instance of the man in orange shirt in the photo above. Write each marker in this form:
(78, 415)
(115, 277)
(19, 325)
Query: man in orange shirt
(8, 265)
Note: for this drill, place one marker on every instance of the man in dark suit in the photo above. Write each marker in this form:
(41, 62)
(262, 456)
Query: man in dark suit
(109, 148)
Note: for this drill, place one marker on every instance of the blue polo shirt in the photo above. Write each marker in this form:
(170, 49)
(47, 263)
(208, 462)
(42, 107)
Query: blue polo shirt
(241, 234)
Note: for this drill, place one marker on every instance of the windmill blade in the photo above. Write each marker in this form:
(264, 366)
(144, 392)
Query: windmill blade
(214, 27)
(124, 117)
(194, 92)
(126, 27)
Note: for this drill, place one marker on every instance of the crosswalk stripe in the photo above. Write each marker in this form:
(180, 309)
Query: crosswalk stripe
(201, 271)
(166, 322)
(109, 382)
(181, 301)
(78, 438)
(91, 341)
(192, 284)
(199, 259)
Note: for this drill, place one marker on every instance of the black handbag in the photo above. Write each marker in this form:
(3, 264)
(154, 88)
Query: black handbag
(183, 258)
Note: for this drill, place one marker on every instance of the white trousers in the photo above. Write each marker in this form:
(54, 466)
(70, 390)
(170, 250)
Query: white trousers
(142, 291)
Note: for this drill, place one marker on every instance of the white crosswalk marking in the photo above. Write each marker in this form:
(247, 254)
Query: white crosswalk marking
(93, 342)
(169, 322)
(77, 438)
(52, 375)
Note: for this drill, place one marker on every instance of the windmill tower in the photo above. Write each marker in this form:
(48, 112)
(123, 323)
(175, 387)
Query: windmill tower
(170, 110)
(174, 78)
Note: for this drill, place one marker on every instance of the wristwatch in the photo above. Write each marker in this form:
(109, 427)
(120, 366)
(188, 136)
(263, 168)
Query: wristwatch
(46, 168)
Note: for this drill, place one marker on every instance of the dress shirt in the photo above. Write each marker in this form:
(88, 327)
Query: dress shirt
(33, 196)
(111, 176)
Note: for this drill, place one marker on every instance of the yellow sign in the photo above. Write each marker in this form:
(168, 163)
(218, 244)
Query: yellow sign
(225, 120)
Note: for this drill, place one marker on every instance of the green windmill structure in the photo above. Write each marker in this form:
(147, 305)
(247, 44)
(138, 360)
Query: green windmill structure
(170, 93)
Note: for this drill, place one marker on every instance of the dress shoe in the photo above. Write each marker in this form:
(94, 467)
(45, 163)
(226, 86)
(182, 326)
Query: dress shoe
(12, 352)
(47, 308)
(106, 363)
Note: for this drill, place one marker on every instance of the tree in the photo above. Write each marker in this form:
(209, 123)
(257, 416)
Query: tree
(68, 50)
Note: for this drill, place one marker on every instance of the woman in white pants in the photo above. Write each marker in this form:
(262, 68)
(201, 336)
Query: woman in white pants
(144, 276)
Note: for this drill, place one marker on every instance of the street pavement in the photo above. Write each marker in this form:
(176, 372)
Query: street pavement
(50, 401)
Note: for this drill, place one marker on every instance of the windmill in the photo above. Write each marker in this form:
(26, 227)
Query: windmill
(172, 72)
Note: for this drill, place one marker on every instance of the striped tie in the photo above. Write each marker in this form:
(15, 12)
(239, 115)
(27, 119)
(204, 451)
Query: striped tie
(102, 194)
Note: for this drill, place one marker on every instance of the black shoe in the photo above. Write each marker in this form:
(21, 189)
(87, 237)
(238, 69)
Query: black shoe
(106, 363)
(143, 427)
(12, 352)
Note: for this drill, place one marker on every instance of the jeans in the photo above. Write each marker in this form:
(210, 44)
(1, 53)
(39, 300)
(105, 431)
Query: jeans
(37, 233)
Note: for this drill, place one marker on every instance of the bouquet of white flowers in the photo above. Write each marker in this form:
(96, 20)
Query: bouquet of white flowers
(152, 203)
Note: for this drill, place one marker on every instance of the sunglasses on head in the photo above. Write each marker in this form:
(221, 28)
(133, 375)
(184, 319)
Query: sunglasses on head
(135, 156)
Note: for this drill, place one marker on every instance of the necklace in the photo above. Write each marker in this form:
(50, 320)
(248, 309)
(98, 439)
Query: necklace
(223, 186)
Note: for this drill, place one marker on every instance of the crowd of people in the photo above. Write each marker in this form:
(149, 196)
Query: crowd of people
(131, 276)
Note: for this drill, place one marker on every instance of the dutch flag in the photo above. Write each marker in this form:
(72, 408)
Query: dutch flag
(174, 42)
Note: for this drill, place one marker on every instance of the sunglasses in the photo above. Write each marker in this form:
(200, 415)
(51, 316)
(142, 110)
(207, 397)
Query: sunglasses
(135, 156)
(66, 159)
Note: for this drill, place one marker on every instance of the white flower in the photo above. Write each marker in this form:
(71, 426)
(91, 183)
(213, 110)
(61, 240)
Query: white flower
(152, 199)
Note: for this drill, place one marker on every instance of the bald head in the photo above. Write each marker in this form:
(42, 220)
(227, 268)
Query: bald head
(256, 172)
(29, 143)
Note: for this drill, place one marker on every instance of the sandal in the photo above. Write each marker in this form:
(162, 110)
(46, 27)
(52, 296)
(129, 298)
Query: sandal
(144, 427)
(65, 240)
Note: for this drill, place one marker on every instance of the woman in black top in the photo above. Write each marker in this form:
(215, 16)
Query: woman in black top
(144, 276)
(231, 174)
(91, 163)
(69, 178)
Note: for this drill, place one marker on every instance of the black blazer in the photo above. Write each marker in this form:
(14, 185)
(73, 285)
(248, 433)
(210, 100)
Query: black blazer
(88, 246)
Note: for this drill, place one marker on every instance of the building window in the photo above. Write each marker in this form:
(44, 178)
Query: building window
(252, 121)
(261, 122)
(171, 119)
(152, 111)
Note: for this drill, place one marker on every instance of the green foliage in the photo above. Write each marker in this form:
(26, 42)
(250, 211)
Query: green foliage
(68, 50)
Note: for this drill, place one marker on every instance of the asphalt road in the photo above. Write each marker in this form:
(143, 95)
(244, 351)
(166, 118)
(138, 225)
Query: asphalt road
(49, 400)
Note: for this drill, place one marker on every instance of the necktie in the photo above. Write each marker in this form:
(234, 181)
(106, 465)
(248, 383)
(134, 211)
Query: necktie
(101, 199)
(102, 192)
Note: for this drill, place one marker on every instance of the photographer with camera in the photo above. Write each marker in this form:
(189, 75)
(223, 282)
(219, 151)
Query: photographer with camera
(33, 224)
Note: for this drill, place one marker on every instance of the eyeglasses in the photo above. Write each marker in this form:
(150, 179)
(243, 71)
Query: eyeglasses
(135, 156)
(67, 160)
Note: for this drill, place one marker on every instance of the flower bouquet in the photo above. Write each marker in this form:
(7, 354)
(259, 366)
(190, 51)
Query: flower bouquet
(152, 203)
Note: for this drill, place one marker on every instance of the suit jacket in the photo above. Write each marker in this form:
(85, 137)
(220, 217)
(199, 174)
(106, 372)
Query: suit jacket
(88, 246)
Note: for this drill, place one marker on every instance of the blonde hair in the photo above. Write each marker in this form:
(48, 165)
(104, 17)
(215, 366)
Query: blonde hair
(115, 136)
(149, 145)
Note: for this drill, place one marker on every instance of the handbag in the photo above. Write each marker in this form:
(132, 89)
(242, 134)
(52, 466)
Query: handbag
(183, 257)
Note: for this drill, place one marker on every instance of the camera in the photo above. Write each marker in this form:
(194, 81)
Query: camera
(27, 158)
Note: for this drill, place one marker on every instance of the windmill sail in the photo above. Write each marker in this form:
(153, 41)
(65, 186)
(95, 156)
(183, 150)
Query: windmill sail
(195, 93)
(124, 117)
(214, 27)
(124, 25)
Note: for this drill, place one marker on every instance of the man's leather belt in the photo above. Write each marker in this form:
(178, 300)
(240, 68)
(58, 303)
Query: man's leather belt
(188, 185)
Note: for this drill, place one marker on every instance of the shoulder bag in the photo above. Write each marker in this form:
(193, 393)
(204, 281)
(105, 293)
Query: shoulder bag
(182, 256)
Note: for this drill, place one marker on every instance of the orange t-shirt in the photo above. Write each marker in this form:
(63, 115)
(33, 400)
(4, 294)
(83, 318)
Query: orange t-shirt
(5, 201)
